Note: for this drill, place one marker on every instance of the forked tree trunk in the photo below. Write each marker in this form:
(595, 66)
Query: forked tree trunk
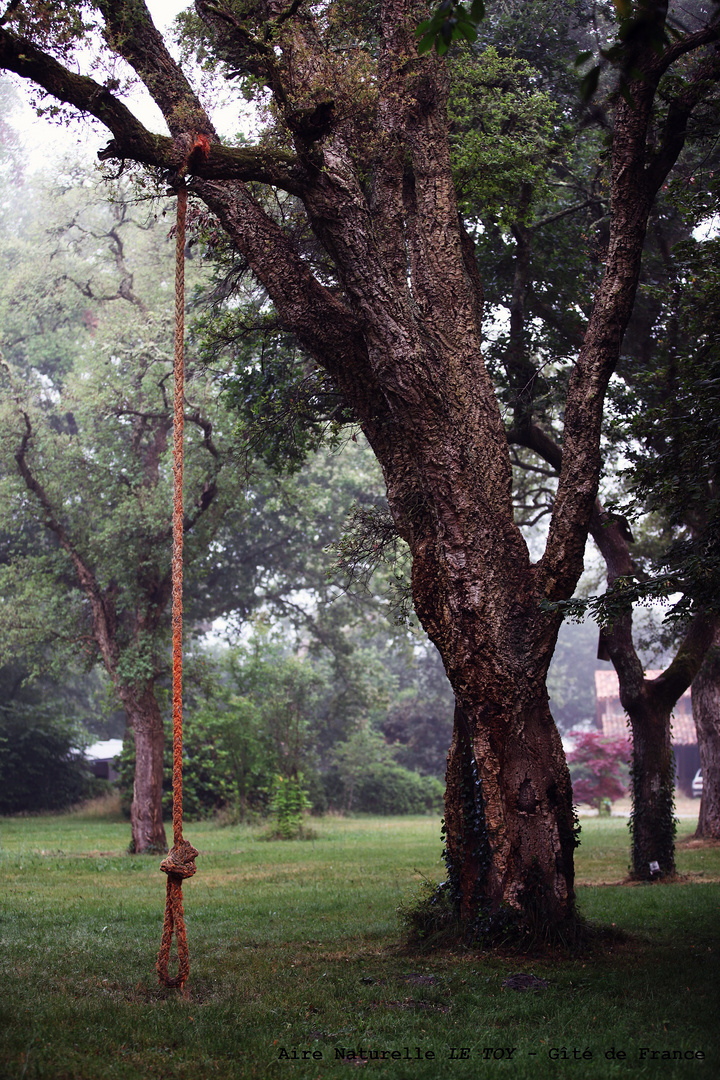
(649, 704)
(706, 710)
(143, 714)
(509, 821)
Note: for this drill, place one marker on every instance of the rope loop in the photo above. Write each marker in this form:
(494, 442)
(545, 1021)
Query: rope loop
(174, 921)
(179, 864)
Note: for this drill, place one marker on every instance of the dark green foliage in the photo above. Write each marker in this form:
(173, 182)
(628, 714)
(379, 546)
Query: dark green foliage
(288, 407)
(207, 785)
(503, 129)
(391, 789)
(233, 745)
(41, 766)
(420, 727)
(451, 21)
(666, 423)
(430, 918)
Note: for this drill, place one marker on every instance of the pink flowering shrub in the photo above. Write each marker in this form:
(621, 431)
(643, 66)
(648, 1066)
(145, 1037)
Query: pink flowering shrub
(599, 768)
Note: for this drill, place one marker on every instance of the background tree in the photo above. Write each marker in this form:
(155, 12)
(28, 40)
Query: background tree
(596, 767)
(41, 743)
(86, 419)
(552, 224)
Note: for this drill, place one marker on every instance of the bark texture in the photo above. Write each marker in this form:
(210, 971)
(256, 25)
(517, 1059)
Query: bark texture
(706, 710)
(145, 721)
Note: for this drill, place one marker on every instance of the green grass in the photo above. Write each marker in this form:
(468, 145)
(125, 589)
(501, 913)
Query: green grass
(295, 946)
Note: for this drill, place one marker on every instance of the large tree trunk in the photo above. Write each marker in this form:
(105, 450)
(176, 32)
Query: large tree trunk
(509, 821)
(143, 714)
(706, 710)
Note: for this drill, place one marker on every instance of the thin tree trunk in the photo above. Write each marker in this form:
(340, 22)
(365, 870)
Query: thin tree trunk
(706, 710)
(143, 713)
(653, 785)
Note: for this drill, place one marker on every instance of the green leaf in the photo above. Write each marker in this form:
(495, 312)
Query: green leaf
(589, 83)
(426, 44)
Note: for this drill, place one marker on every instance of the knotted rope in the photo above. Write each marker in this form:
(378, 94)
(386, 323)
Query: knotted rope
(180, 863)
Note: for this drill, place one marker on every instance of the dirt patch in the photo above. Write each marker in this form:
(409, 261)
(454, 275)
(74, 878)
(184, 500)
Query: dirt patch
(694, 878)
(693, 842)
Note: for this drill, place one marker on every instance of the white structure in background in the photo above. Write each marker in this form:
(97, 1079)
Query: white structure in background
(612, 721)
(100, 756)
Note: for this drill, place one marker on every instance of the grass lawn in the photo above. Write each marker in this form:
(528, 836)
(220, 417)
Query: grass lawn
(295, 951)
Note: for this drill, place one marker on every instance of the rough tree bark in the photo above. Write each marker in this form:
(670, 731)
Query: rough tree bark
(400, 334)
(706, 710)
(145, 721)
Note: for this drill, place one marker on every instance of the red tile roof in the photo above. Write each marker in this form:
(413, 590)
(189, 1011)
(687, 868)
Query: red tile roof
(614, 718)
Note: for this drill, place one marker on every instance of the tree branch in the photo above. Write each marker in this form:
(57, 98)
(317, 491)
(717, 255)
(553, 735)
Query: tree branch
(101, 604)
(131, 33)
(633, 189)
(324, 326)
(679, 112)
(551, 218)
(672, 683)
(131, 140)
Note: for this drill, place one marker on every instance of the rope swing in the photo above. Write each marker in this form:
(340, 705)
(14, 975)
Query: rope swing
(180, 863)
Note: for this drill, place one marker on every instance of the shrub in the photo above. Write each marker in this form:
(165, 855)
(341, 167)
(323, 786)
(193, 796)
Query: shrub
(391, 789)
(41, 766)
(289, 801)
(207, 787)
(598, 767)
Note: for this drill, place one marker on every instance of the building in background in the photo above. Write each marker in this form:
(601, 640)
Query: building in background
(100, 758)
(611, 718)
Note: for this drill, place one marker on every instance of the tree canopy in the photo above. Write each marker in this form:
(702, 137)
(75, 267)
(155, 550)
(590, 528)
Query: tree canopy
(351, 213)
